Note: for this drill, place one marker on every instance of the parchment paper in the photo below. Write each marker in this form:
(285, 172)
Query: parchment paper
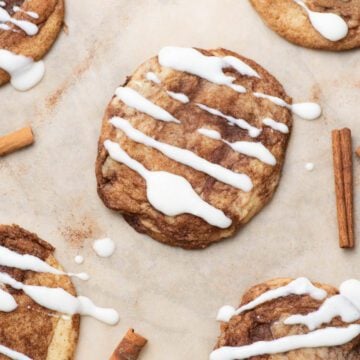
(169, 295)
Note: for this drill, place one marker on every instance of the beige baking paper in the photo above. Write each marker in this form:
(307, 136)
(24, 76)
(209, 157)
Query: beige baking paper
(169, 295)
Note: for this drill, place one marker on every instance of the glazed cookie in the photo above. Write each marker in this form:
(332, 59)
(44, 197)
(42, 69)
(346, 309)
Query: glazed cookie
(38, 302)
(193, 144)
(28, 328)
(28, 28)
(319, 24)
(287, 319)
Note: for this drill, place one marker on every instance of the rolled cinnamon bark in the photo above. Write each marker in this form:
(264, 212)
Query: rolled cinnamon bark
(129, 347)
(16, 141)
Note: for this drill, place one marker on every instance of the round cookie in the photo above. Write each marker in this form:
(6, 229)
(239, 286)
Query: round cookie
(291, 20)
(265, 322)
(30, 329)
(31, 29)
(206, 115)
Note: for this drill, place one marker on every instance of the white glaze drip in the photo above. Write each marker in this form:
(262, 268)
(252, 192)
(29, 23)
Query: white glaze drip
(32, 14)
(300, 286)
(186, 157)
(331, 26)
(170, 194)
(15, 260)
(104, 247)
(7, 302)
(320, 338)
(309, 166)
(79, 259)
(28, 27)
(24, 72)
(241, 123)
(151, 76)
(57, 299)
(252, 149)
(133, 99)
(346, 305)
(307, 111)
(335, 306)
(179, 97)
(12, 354)
(207, 67)
(275, 125)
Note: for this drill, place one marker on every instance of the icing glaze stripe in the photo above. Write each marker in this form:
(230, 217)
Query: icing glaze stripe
(252, 149)
(57, 299)
(133, 99)
(207, 67)
(346, 306)
(28, 27)
(307, 111)
(170, 194)
(331, 26)
(300, 286)
(241, 123)
(15, 260)
(186, 157)
(12, 354)
(320, 338)
(275, 125)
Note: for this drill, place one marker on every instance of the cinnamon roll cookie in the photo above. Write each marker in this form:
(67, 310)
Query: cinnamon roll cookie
(319, 24)
(292, 319)
(28, 28)
(38, 304)
(193, 144)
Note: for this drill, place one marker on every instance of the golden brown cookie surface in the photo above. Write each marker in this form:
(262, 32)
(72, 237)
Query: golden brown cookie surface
(266, 323)
(124, 190)
(292, 22)
(46, 15)
(32, 330)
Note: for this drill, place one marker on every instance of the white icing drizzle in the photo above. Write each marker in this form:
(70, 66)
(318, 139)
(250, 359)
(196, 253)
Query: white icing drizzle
(28, 27)
(179, 97)
(57, 299)
(32, 14)
(133, 99)
(186, 157)
(151, 76)
(300, 286)
(241, 123)
(2, 3)
(12, 354)
(7, 302)
(170, 194)
(275, 125)
(104, 247)
(346, 305)
(331, 26)
(252, 149)
(15, 260)
(307, 111)
(320, 338)
(207, 67)
(24, 72)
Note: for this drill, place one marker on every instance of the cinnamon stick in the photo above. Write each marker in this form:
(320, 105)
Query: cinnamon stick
(343, 172)
(129, 347)
(16, 141)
